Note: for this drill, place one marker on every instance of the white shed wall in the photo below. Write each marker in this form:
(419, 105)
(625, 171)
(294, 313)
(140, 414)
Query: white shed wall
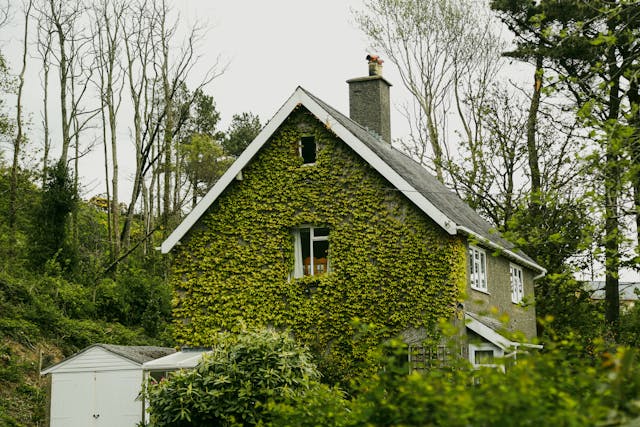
(96, 399)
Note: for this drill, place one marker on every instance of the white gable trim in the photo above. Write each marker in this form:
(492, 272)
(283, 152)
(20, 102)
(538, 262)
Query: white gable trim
(63, 364)
(299, 97)
(234, 170)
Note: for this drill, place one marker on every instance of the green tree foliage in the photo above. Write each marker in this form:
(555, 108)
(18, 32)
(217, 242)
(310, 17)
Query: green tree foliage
(235, 383)
(204, 116)
(242, 130)
(50, 226)
(204, 163)
(591, 48)
(6, 86)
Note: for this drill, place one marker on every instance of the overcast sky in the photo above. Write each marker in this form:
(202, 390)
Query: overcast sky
(270, 48)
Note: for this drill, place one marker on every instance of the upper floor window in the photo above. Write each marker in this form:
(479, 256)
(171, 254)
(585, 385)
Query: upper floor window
(517, 286)
(311, 251)
(478, 268)
(308, 150)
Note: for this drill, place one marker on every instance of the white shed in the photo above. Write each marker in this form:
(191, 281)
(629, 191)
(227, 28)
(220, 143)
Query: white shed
(99, 386)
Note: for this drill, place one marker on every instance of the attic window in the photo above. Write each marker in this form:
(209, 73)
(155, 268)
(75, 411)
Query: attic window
(308, 150)
(311, 251)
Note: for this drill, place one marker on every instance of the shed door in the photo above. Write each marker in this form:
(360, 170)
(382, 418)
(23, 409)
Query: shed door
(72, 399)
(96, 399)
(115, 399)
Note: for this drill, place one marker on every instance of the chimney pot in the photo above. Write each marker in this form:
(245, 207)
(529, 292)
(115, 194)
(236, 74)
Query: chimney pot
(375, 69)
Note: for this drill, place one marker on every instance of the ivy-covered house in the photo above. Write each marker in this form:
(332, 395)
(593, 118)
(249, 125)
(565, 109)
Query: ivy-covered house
(321, 221)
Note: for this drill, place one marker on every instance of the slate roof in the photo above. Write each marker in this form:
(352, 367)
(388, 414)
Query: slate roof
(443, 198)
(409, 177)
(139, 354)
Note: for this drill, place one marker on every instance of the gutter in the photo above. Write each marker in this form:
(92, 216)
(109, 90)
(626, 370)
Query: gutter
(511, 254)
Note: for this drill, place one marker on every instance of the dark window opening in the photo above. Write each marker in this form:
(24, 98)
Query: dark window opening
(483, 357)
(308, 149)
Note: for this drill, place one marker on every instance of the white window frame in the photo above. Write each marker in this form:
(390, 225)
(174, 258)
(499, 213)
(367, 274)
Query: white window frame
(497, 353)
(298, 270)
(517, 283)
(315, 146)
(478, 269)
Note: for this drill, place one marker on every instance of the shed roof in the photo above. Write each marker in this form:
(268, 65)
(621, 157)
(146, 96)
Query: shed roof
(187, 358)
(438, 202)
(136, 354)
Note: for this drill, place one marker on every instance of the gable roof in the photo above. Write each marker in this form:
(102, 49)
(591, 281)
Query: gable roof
(487, 329)
(442, 205)
(136, 354)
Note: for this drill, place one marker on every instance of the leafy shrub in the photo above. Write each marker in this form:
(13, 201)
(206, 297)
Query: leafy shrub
(263, 378)
(235, 384)
(564, 385)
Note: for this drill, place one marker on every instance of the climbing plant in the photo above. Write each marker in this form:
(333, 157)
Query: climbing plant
(390, 264)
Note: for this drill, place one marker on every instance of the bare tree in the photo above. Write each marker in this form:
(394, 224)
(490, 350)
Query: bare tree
(442, 48)
(108, 21)
(155, 77)
(73, 60)
(44, 42)
(18, 141)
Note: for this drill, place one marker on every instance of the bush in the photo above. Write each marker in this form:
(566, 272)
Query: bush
(234, 385)
(564, 385)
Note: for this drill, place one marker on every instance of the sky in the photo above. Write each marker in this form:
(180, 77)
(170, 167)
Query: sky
(266, 48)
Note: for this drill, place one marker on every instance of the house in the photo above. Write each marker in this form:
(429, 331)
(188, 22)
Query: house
(99, 386)
(628, 292)
(320, 221)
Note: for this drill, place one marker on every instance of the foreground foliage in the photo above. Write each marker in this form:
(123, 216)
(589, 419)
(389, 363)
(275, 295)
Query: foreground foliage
(233, 384)
(263, 378)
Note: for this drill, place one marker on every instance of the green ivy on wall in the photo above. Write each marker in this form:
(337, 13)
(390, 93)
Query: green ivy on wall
(391, 265)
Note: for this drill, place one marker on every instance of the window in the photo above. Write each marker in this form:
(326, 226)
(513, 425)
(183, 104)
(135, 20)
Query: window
(423, 357)
(308, 150)
(478, 269)
(517, 287)
(311, 251)
(484, 354)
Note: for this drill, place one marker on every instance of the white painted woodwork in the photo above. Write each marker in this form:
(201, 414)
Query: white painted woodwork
(96, 388)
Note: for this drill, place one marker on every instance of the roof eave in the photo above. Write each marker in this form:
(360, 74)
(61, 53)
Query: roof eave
(509, 253)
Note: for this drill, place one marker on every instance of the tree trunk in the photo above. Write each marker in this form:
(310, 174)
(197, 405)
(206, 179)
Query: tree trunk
(13, 193)
(532, 125)
(64, 77)
(611, 199)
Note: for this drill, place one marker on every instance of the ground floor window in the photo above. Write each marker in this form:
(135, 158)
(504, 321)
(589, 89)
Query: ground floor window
(484, 354)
